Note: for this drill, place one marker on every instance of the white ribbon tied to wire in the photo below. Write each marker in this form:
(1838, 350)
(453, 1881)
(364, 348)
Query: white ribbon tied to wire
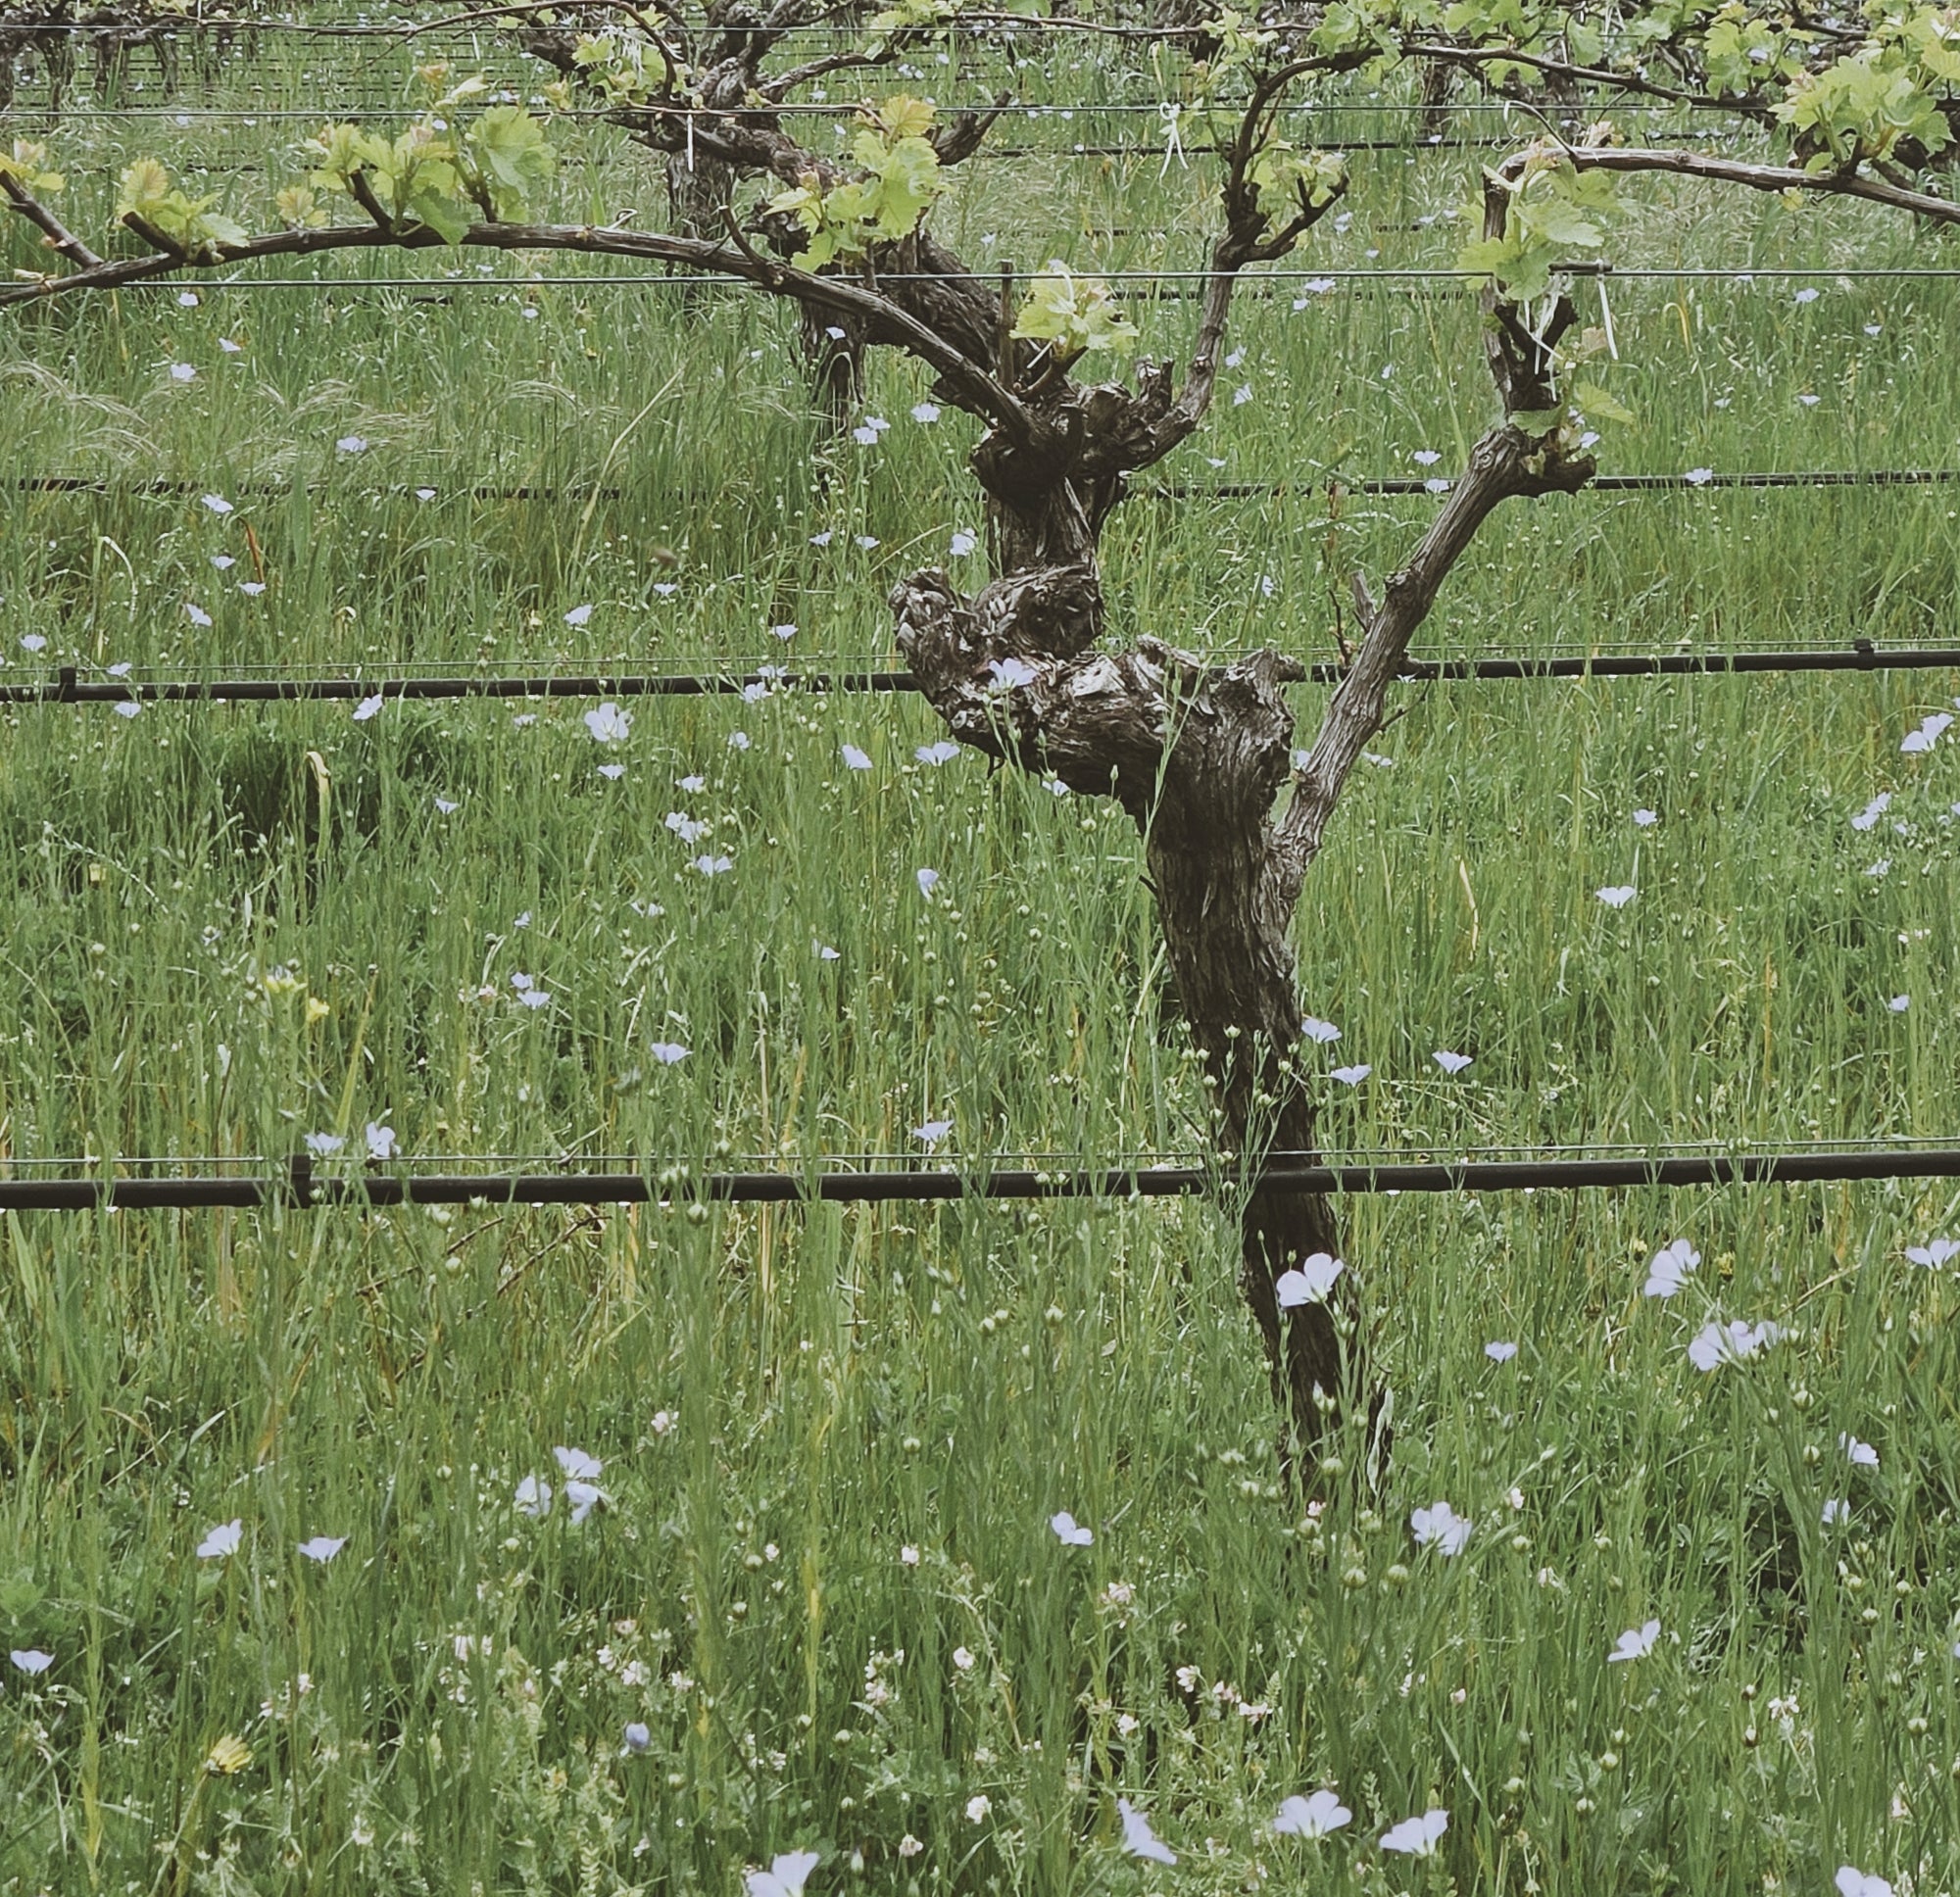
(1172, 115)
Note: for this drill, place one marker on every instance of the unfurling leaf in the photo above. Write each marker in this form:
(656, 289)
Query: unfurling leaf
(299, 207)
(1075, 313)
(904, 117)
(509, 149)
(1553, 209)
(1597, 406)
(28, 164)
(144, 184)
(901, 180)
(1858, 111)
(145, 192)
(1289, 181)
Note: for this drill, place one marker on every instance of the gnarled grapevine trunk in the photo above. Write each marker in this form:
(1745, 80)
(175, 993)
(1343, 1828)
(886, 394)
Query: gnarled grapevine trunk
(1196, 758)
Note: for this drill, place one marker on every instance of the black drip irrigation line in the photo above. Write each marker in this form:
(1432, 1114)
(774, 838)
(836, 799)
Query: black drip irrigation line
(69, 686)
(1693, 482)
(302, 1188)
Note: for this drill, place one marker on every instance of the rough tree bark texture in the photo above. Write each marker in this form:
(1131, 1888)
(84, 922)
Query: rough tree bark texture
(1199, 758)
(1196, 759)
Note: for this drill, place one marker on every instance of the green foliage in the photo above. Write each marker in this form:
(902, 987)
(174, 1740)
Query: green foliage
(512, 161)
(413, 176)
(1351, 25)
(914, 16)
(1554, 209)
(27, 163)
(622, 65)
(429, 175)
(145, 192)
(1289, 181)
(1744, 50)
(1075, 313)
(900, 183)
(1856, 112)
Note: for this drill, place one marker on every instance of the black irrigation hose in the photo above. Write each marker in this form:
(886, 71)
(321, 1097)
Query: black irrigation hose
(1598, 484)
(68, 686)
(302, 1188)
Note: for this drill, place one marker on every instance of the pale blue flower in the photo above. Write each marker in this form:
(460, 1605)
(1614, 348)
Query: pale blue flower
(785, 1876)
(1440, 1527)
(1636, 1644)
(1417, 1837)
(1139, 1840)
(1315, 1815)
(221, 1540)
(609, 724)
(1310, 1283)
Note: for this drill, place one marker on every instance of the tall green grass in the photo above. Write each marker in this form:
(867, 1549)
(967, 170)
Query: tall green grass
(823, 1576)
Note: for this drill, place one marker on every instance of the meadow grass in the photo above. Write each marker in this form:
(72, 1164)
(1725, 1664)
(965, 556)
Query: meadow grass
(823, 1576)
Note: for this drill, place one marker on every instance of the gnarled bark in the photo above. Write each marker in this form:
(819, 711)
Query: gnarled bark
(1196, 758)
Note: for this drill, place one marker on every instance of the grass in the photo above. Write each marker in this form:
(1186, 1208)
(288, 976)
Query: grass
(786, 1404)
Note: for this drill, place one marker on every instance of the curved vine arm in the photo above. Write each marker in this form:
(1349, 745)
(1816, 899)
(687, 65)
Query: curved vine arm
(1507, 462)
(56, 235)
(1600, 75)
(963, 379)
(1767, 177)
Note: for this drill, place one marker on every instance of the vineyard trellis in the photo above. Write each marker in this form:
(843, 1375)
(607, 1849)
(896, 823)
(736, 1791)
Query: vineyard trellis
(1196, 756)
(251, 1184)
(69, 687)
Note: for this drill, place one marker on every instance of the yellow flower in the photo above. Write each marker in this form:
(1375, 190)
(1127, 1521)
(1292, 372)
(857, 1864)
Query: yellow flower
(316, 1009)
(230, 1756)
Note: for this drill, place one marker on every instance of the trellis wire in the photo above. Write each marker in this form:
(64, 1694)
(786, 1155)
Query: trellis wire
(1741, 275)
(380, 103)
(1389, 485)
(301, 1186)
(1008, 24)
(69, 686)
